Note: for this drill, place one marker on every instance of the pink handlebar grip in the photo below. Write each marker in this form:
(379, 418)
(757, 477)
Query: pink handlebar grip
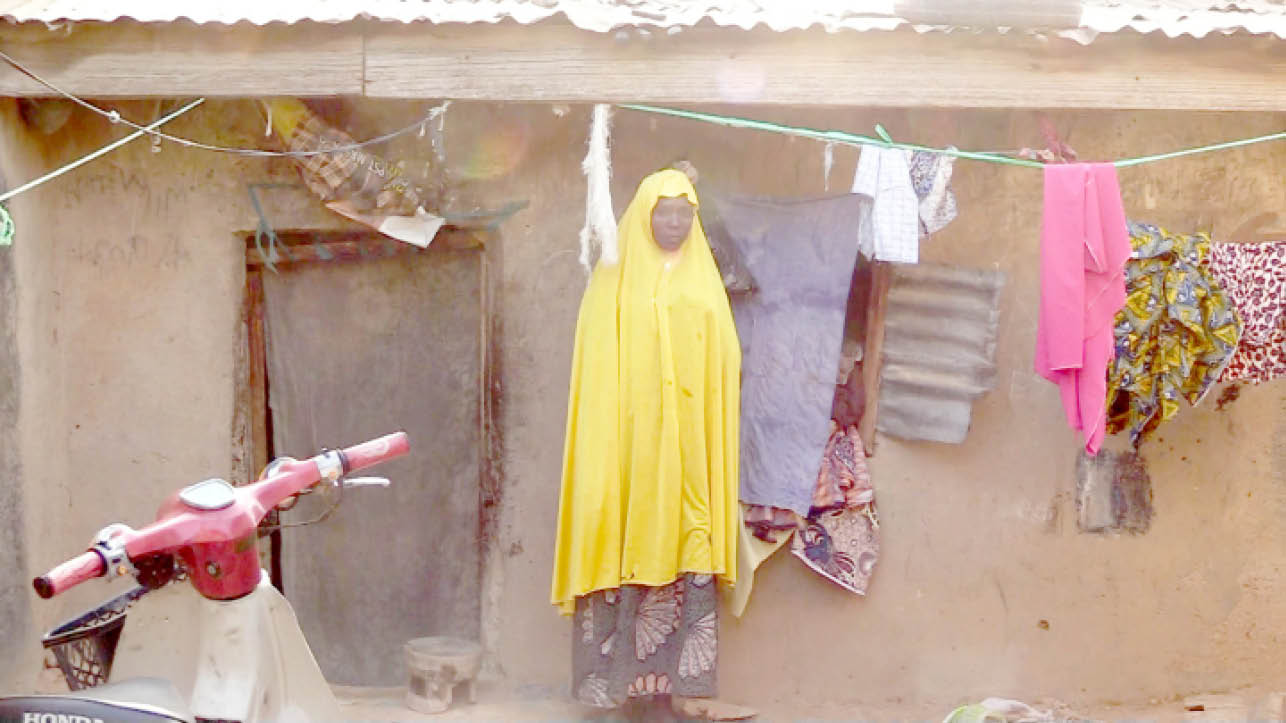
(85, 566)
(375, 451)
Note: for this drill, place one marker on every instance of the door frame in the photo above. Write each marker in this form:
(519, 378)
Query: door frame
(252, 422)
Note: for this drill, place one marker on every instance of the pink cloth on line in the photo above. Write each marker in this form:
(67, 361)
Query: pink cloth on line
(1084, 245)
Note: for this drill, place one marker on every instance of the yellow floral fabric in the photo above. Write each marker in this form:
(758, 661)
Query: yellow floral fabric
(1174, 335)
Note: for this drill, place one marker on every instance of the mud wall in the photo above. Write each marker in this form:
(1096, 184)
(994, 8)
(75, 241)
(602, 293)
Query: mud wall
(15, 623)
(129, 279)
(128, 287)
(980, 540)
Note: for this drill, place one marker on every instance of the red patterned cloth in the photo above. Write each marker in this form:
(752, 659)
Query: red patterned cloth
(1254, 278)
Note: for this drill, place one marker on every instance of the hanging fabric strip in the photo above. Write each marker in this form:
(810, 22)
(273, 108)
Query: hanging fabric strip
(828, 161)
(1083, 249)
(438, 139)
(600, 222)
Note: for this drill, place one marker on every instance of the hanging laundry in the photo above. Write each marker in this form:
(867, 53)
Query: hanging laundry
(842, 546)
(751, 553)
(850, 397)
(1254, 277)
(1174, 335)
(770, 523)
(889, 229)
(840, 540)
(843, 480)
(736, 277)
(791, 332)
(840, 537)
(1084, 246)
(600, 221)
(931, 179)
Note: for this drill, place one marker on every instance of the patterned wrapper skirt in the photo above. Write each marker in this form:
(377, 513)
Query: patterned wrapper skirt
(637, 641)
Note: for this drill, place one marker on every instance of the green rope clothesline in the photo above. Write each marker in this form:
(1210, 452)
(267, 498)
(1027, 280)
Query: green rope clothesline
(884, 141)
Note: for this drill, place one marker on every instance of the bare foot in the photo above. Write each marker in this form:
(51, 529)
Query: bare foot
(710, 709)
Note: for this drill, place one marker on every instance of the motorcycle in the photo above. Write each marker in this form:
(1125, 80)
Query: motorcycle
(248, 660)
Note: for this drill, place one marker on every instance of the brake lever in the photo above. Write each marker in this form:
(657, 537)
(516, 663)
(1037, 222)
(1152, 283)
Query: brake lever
(365, 482)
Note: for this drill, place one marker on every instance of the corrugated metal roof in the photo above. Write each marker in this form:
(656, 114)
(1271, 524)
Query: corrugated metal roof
(1172, 17)
(939, 350)
(1180, 17)
(594, 15)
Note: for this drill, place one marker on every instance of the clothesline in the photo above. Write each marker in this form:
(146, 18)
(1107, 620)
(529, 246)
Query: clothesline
(100, 152)
(884, 141)
(115, 117)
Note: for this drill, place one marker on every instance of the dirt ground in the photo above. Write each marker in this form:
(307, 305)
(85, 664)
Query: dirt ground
(379, 705)
(387, 705)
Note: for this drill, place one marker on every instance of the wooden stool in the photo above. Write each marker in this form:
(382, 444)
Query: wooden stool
(437, 666)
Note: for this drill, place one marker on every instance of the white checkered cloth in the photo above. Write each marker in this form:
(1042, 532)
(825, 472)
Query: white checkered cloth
(891, 231)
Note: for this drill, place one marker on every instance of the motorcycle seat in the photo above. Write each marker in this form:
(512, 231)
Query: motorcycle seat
(137, 699)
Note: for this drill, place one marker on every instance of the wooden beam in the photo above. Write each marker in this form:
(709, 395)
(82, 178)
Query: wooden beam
(313, 247)
(901, 69)
(258, 372)
(129, 59)
(555, 62)
(873, 352)
(243, 443)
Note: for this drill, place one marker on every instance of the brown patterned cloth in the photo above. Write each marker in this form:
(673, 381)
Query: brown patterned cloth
(637, 642)
(1254, 278)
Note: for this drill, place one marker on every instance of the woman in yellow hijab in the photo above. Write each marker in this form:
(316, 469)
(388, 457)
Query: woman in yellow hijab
(648, 515)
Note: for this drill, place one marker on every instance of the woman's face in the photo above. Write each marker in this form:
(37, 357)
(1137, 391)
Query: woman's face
(671, 222)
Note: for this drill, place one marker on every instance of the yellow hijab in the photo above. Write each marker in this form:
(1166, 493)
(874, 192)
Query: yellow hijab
(649, 486)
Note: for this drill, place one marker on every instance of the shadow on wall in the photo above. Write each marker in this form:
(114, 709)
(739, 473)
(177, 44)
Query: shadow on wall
(15, 603)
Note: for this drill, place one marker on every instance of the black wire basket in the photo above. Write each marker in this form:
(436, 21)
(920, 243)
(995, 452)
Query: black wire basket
(85, 646)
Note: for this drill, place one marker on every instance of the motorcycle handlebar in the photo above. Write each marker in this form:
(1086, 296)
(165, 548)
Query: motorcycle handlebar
(368, 454)
(85, 566)
(175, 532)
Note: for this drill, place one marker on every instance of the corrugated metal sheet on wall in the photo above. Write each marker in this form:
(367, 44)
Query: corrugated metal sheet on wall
(939, 349)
